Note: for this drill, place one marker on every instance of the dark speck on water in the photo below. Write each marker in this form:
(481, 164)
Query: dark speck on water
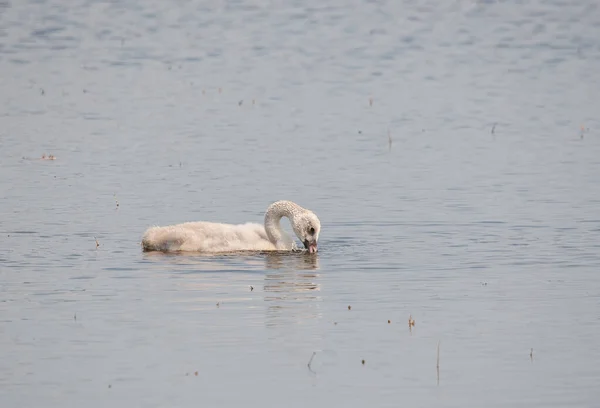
(492, 242)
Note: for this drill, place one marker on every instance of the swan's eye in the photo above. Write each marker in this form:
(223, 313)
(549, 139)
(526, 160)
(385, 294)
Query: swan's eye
(311, 231)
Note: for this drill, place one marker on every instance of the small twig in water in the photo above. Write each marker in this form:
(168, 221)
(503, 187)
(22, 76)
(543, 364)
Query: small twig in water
(531, 354)
(493, 128)
(438, 363)
(310, 361)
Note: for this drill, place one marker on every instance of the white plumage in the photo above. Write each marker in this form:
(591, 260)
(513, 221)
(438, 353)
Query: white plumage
(213, 237)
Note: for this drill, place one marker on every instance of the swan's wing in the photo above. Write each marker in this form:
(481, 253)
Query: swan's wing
(207, 237)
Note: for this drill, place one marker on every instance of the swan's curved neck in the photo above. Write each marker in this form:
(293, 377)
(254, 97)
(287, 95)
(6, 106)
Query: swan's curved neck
(273, 216)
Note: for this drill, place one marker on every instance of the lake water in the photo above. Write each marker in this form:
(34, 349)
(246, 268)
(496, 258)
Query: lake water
(481, 218)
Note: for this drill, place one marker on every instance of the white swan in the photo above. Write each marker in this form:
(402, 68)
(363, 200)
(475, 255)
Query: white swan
(216, 237)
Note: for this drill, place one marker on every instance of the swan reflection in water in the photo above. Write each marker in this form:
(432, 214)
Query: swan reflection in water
(291, 260)
(291, 288)
(226, 262)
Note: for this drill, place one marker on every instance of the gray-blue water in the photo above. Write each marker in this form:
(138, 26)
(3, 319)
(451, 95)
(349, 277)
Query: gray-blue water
(481, 220)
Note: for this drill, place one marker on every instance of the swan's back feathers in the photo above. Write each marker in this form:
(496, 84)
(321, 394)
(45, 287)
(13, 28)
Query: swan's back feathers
(207, 237)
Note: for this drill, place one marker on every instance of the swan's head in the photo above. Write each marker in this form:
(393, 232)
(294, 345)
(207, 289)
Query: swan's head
(307, 227)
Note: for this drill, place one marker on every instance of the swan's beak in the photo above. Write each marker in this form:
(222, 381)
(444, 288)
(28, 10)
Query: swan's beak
(311, 246)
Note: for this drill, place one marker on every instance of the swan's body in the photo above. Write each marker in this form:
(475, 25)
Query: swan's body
(216, 237)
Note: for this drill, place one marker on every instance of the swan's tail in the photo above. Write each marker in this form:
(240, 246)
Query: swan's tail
(161, 239)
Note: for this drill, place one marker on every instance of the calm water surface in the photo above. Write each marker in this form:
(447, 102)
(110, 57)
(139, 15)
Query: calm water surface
(196, 110)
